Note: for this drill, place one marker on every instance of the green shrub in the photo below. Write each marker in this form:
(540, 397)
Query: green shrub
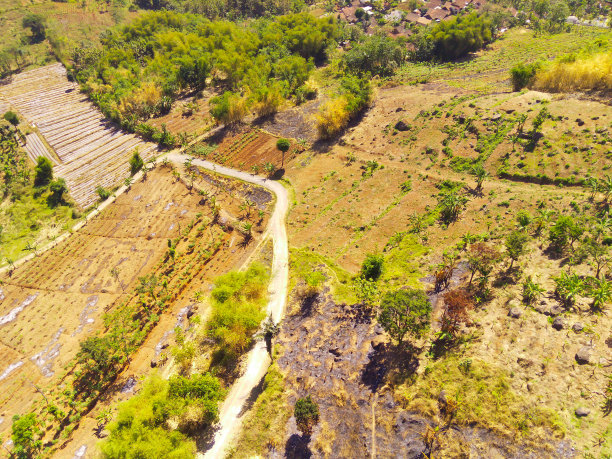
(136, 163)
(43, 172)
(103, 193)
(522, 75)
(372, 267)
(12, 118)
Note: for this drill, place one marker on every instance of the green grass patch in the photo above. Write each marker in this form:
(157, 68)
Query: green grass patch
(483, 395)
(26, 220)
(304, 264)
(400, 266)
(266, 422)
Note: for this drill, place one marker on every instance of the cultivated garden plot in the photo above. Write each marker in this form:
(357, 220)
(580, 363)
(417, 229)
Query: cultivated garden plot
(92, 151)
(52, 303)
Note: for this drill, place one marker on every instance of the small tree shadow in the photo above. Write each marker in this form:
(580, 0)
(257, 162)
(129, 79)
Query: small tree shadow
(297, 447)
(385, 357)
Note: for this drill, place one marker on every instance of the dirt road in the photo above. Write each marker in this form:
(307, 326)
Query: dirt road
(257, 360)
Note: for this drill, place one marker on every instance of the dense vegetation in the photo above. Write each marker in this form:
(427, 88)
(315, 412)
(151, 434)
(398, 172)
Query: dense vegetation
(144, 66)
(142, 425)
(230, 9)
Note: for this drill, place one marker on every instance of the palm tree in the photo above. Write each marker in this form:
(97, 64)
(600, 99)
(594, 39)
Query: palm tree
(247, 231)
(593, 185)
(481, 174)
(606, 187)
(541, 219)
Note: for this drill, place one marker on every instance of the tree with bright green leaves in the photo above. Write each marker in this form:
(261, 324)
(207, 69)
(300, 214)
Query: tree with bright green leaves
(600, 291)
(26, 436)
(516, 245)
(283, 146)
(481, 174)
(372, 266)
(404, 312)
(43, 171)
(306, 413)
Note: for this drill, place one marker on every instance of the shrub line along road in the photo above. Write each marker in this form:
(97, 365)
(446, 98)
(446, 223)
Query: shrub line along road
(257, 360)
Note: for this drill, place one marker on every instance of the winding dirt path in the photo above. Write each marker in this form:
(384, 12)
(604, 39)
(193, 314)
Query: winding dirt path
(257, 360)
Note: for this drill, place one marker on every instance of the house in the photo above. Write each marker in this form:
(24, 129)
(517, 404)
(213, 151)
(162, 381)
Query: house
(423, 21)
(349, 14)
(412, 17)
(394, 16)
(437, 14)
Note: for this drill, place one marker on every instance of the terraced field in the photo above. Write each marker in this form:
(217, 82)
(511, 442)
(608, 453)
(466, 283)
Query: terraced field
(56, 300)
(92, 152)
(245, 150)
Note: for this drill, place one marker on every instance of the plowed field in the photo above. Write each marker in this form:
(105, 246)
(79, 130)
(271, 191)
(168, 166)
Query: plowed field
(52, 303)
(92, 152)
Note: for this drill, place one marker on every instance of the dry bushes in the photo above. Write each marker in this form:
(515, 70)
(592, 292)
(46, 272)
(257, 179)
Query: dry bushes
(571, 74)
(332, 118)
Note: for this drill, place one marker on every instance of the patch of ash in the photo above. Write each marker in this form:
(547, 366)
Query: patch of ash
(259, 197)
(170, 204)
(183, 212)
(171, 227)
(12, 367)
(80, 453)
(129, 385)
(181, 321)
(12, 315)
(328, 351)
(84, 317)
(138, 197)
(44, 359)
(2, 294)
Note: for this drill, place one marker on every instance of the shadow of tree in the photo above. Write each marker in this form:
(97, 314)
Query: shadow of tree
(385, 357)
(297, 447)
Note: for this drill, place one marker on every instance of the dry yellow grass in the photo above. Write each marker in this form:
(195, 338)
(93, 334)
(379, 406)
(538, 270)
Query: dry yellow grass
(583, 74)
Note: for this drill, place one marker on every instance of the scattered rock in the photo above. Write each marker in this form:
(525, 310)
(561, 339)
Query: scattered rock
(336, 352)
(378, 329)
(556, 309)
(583, 356)
(154, 363)
(582, 412)
(579, 122)
(401, 126)
(190, 313)
(609, 341)
(442, 398)
(399, 109)
(577, 327)
(496, 116)
(558, 323)
(515, 313)
(542, 308)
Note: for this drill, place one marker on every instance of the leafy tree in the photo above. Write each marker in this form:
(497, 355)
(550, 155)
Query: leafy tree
(306, 413)
(564, 233)
(599, 253)
(481, 259)
(43, 172)
(27, 436)
(451, 204)
(136, 163)
(516, 245)
(36, 24)
(403, 312)
(372, 266)
(523, 218)
(460, 35)
(228, 108)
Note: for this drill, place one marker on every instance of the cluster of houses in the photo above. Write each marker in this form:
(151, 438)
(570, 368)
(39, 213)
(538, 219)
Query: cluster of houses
(432, 10)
